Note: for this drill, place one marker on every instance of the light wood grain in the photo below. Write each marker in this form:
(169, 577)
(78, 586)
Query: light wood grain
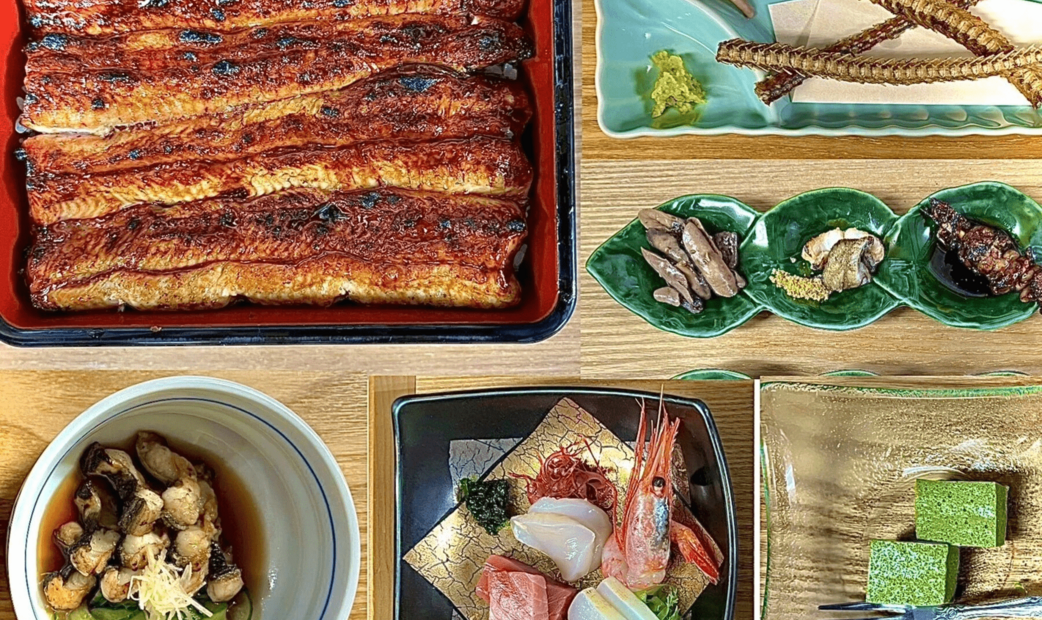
(35, 406)
(559, 354)
(730, 402)
(619, 344)
(597, 145)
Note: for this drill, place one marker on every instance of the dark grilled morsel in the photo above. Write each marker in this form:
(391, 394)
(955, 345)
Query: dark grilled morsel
(416, 103)
(99, 17)
(477, 165)
(95, 85)
(987, 251)
(312, 247)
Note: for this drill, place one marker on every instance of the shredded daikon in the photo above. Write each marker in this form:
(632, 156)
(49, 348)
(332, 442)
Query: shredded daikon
(161, 592)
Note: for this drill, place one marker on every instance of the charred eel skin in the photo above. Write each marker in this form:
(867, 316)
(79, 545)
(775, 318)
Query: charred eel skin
(96, 85)
(310, 246)
(480, 165)
(418, 103)
(104, 17)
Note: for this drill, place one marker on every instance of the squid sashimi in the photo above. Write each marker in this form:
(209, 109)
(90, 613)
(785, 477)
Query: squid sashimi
(638, 552)
(624, 601)
(517, 596)
(564, 540)
(584, 512)
(591, 605)
(558, 595)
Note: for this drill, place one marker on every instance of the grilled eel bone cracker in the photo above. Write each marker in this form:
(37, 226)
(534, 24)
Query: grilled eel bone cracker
(836, 19)
(303, 246)
(479, 165)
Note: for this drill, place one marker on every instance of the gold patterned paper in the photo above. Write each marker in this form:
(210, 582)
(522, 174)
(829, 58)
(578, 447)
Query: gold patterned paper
(452, 555)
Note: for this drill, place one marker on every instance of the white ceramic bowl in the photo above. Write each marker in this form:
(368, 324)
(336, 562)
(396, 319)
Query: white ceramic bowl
(307, 516)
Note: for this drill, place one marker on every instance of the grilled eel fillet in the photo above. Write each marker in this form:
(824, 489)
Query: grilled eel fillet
(300, 246)
(104, 17)
(95, 85)
(418, 103)
(478, 165)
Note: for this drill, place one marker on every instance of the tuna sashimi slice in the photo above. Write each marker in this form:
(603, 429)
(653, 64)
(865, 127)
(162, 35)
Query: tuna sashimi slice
(558, 595)
(517, 596)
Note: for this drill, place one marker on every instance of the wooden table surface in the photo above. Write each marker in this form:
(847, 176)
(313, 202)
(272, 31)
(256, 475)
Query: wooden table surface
(731, 403)
(36, 405)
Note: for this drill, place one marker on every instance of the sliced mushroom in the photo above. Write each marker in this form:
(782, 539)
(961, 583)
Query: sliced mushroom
(667, 295)
(225, 577)
(669, 273)
(115, 583)
(133, 553)
(140, 512)
(115, 466)
(91, 553)
(667, 244)
(182, 503)
(694, 308)
(67, 535)
(727, 243)
(708, 259)
(653, 218)
(66, 589)
(160, 461)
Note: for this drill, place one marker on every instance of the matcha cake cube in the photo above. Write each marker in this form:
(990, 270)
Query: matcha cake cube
(966, 514)
(912, 573)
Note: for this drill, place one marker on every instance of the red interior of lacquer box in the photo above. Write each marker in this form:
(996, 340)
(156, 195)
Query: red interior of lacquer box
(538, 275)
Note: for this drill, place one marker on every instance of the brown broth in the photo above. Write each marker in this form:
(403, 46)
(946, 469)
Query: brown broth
(241, 525)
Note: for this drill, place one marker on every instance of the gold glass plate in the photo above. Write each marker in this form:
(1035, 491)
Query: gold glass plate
(840, 465)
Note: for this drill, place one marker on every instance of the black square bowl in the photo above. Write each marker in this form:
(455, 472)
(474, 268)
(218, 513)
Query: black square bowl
(424, 426)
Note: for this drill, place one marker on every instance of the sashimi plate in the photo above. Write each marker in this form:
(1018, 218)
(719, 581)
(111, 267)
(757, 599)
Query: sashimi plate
(441, 439)
(630, 31)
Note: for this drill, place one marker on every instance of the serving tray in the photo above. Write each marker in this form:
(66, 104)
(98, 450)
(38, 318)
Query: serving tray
(440, 438)
(547, 276)
(771, 239)
(630, 31)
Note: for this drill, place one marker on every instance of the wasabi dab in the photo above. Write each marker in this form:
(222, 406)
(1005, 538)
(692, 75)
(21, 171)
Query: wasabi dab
(675, 87)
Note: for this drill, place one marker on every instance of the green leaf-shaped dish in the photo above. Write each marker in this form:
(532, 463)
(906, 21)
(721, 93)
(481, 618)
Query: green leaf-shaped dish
(907, 273)
(712, 374)
(619, 267)
(780, 236)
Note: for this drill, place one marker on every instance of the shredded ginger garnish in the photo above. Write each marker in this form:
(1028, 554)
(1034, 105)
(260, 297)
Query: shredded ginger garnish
(160, 590)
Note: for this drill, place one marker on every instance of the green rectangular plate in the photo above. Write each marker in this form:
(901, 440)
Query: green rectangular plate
(630, 31)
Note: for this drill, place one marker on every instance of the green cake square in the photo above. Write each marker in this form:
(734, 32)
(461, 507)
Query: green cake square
(912, 573)
(966, 514)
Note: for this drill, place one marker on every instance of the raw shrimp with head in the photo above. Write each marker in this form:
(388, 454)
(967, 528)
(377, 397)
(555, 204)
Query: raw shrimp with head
(638, 552)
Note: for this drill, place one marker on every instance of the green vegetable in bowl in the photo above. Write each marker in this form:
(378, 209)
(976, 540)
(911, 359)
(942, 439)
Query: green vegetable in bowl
(487, 501)
(675, 86)
(662, 601)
